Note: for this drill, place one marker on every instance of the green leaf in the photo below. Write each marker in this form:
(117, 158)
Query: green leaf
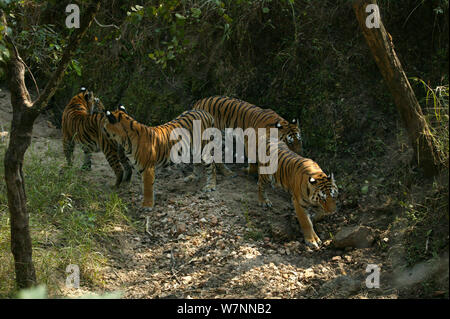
(76, 67)
(196, 12)
(265, 10)
(179, 16)
(365, 189)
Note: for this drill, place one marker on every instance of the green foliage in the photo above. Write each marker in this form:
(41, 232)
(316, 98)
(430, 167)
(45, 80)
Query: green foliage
(40, 292)
(70, 219)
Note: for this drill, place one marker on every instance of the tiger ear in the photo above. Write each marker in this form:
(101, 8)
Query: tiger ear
(294, 121)
(312, 180)
(83, 89)
(122, 108)
(111, 118)
(278, 125)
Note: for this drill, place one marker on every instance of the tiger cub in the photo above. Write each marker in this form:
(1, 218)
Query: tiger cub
(151, 146)
(308, 185)
(81, 124)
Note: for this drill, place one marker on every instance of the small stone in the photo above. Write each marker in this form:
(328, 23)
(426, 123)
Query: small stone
(214, 220)
(181, 228)
(336, 258)
(308, 273)
(187, 279)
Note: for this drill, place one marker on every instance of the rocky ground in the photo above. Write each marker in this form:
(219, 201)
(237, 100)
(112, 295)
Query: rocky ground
(223, 245)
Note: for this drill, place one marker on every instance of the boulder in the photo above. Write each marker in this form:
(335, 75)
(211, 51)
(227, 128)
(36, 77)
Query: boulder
(354, 236)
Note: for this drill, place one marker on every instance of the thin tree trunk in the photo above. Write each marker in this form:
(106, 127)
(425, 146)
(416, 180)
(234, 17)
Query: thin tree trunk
(25, 113)
(380, 43)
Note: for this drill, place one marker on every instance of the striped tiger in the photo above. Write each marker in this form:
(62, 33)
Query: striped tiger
(308, 185)
(151, 146)
(234, 113)
(81, 124)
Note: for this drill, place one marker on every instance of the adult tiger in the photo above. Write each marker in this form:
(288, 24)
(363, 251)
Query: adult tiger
(234, 113)
(81, 123)
(151, 146)
(308, 185)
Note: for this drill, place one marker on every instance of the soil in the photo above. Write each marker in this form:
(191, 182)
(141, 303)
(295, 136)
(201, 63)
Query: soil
(223, 245)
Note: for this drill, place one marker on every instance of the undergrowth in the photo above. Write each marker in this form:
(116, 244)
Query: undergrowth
(70, 217)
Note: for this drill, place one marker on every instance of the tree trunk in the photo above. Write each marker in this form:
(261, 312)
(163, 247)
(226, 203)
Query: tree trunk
(25, 113)
(380, 43)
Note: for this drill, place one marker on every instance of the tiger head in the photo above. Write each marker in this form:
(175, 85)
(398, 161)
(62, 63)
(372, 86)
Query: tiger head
(117, 125)
(289, 132)
(98, 106)
(89, 97)
(323, 192)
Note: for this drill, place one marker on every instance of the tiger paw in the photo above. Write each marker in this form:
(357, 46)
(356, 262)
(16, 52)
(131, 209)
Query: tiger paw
(265, 203)
(209, 188)
(191, 178)
(225, 171)
(147, 206)
(313, 241)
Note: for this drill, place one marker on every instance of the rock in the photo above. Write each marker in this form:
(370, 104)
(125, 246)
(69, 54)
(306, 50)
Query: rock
(340, 287)
(282, 231)
(186, 279)
(336, 258)
(354, 236)
(308, 273)
(214, 220)
(181, 228)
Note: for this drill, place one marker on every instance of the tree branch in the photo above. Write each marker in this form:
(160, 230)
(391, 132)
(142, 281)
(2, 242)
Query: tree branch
(41, 104)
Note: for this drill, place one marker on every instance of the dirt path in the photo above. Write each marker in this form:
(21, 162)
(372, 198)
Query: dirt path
(223, 245)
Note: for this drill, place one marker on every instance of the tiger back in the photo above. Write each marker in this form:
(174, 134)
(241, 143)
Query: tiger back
(234, 113)
(81, 124)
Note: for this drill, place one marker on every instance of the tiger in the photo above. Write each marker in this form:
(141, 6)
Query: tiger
(233, 113)
(81, 124)
(308, 185)
(151, 146)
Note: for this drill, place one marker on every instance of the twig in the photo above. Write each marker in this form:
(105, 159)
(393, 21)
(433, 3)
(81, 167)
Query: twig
(108, 26)
(147, 219)
(172, 266)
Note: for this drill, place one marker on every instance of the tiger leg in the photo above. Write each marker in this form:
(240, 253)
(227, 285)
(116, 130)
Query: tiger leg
(148, 179)
(87, 158)
(114, 162)
(112, 155)
(196, 174)
(263, 200)
(68, 147)
(224, 170)
(252, 169)
(126, 164)
(210, 177)
(306, 225)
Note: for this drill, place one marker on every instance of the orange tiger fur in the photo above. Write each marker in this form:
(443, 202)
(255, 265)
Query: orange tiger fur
(80, 124)
(151, 146)
(308, 185)
(234, 113)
